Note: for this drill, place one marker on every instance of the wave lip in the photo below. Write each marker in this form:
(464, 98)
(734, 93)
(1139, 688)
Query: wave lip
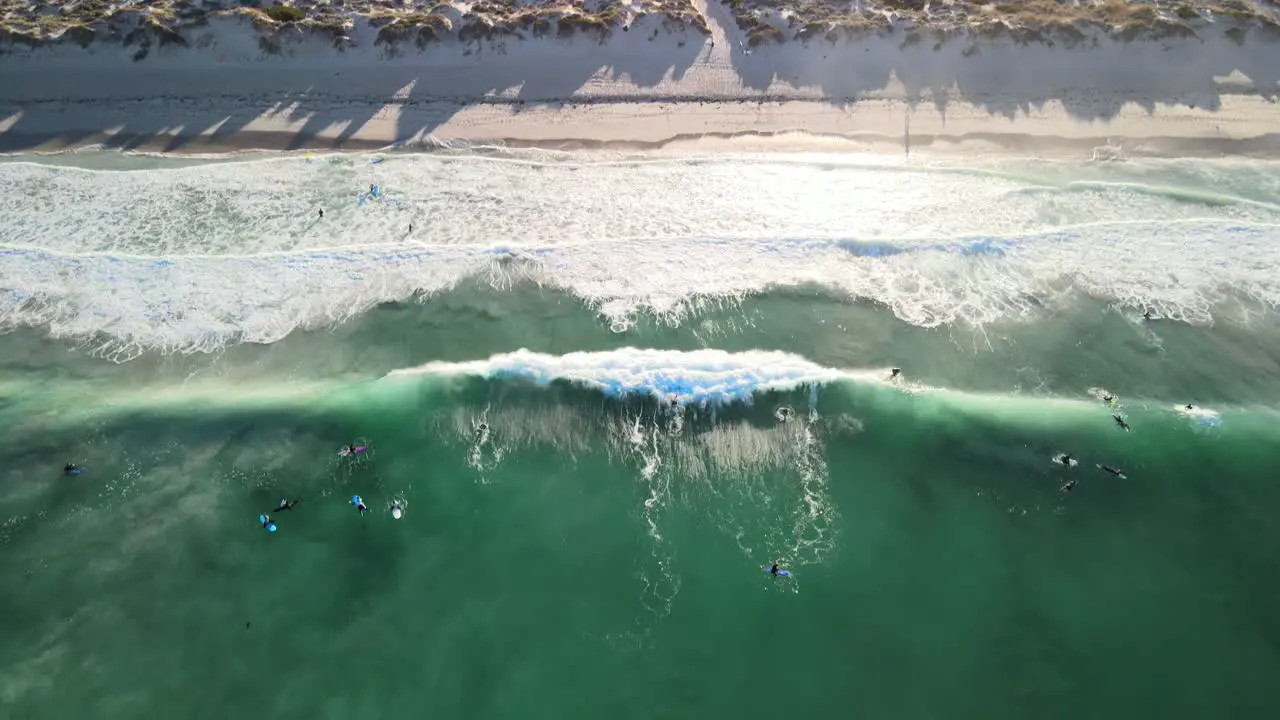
(692, 377)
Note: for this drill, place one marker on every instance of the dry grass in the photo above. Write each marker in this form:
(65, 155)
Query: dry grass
(39, 21)
(1026, 20)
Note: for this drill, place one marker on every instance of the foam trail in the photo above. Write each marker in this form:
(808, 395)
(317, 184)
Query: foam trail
(697, 377)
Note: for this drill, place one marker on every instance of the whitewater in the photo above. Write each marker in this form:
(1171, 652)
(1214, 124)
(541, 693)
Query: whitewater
(607, 390)
(128, 254)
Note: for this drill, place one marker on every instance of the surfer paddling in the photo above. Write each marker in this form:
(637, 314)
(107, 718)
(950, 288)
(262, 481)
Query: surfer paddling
(1120, 423)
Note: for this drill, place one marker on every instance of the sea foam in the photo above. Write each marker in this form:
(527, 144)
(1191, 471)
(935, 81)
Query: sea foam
(196, 258)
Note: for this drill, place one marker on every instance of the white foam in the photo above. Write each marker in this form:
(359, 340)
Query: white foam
(195, 258)
(694, 377)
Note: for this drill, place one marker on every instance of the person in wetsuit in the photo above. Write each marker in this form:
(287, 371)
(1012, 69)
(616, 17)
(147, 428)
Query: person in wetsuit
(774, 569)
(70, 469)
(1068, 487)
(1112, 470)
(286, 504)
(1120, 421)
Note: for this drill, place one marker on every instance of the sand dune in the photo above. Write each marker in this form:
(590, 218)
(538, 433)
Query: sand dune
(915, 77)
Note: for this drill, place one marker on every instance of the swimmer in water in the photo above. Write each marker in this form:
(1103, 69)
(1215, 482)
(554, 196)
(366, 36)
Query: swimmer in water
(1190, 406)
(1120, 421)
(355, 500)
(70, 468)
(1067, 488)
(286, 504)
(773, 570)
(1111, 470)
(266, 522)
(396, 509)
(1108, 399)
(1065, 459)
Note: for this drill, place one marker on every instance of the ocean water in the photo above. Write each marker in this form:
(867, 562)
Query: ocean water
(608, 391)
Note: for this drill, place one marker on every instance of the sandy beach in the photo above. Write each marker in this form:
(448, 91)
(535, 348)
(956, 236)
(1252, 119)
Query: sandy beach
(1167, 82)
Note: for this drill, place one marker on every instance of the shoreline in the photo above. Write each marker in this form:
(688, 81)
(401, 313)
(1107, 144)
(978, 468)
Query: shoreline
(1241, 128)
(661, 84)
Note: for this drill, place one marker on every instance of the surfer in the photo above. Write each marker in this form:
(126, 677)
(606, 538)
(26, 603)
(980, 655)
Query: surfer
(1111, 470)
(286, 504)
(359, 504)
(894, 372)
(1067, 488)
(1120, 421)
(70, 469)
(1108, 399)
(321, 213)
(1146, 314)
(774, 569)
(397, 511)
(266, 523)
(1190, 406)
(1065, 459)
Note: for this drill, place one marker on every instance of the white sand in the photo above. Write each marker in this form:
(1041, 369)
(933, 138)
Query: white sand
(652, 85)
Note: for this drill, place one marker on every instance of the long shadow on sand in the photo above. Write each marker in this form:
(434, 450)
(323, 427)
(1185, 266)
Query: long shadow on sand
(170, 103)
(168, 107)
(1094, 78)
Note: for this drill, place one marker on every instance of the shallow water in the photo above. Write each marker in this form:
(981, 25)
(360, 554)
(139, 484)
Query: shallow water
(574, 545)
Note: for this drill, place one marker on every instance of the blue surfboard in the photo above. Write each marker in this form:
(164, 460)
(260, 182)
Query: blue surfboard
(781, 573)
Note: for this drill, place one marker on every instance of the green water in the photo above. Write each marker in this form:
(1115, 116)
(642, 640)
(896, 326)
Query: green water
(575, 546)
(939, 571)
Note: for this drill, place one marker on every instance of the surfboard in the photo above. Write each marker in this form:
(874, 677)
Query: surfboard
(269, 526)
(781, 573)
(397, 512)
(75, 472)
(347, 451)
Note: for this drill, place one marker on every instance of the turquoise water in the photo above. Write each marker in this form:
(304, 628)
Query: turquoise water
(575, 545)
